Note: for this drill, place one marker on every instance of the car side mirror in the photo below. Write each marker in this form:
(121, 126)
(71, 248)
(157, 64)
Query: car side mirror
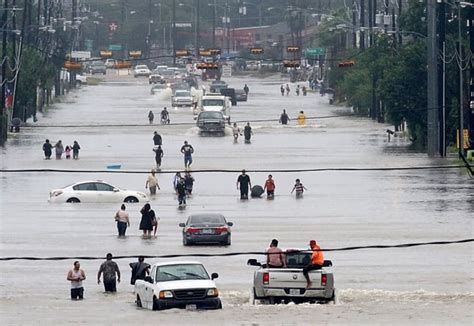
(253, 262)
(116, 190)
(182, 225)
(230, 224)
(148, 279)
(214, 276)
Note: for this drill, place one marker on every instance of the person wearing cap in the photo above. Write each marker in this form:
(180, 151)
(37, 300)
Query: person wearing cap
(317, 261)
(110, 269)
(244, 184)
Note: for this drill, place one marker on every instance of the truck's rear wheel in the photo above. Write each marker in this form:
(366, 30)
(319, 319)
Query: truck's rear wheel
(138, 302)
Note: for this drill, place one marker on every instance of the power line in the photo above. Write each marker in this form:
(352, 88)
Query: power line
(243, 253)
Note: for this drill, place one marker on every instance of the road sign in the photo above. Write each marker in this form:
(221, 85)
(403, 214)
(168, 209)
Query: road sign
(115, 47)
(314, 51)
(80, 54)
(227, 71)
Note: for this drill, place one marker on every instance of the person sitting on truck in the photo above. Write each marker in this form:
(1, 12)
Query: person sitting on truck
(275, 257)
(317, 261)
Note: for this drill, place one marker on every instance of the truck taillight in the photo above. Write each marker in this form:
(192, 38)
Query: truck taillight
(266, 278)
(324, 279)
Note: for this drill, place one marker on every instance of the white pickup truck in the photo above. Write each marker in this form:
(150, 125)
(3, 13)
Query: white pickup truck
(184, 284)
(286, 284)
(215, 102)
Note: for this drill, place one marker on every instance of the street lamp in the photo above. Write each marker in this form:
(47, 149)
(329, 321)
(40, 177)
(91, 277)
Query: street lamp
(225, 23)
(196, 24)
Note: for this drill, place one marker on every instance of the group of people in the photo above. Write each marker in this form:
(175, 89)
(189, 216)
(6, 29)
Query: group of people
(301, 118)
(149, 221)
(164, 116)
(244, 185)
(59, 149)
(183, 186)
(286, 89)
(236, 132)
(187, 150)
(110, 274)
(303, 90)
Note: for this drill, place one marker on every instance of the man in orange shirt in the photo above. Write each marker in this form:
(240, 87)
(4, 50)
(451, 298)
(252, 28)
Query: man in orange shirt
(270, 187)
(317, 261)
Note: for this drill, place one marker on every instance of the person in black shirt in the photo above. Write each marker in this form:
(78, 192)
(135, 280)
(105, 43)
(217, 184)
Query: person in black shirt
(47, 149)
(284, 118)
(140, 270)
(187, 150)
(181, 189)
(244, 184)
(157, 139)
(247, 133)
(158, 156)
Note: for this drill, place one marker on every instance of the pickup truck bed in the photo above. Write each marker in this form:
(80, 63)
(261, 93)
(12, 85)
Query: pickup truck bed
(289, 284)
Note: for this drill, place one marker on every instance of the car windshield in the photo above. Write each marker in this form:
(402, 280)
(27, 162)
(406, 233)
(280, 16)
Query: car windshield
(182, 94)
(181, 272)
(218, 82)
(206, 220)
(210, 115)
(97, 63)
(141, 67)
(297, 259)
(213, 102)
(167, 73)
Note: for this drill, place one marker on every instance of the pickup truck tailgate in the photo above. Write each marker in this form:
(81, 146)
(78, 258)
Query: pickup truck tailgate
(292, 278)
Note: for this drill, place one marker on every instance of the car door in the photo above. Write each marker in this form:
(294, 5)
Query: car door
(85, 192)
(106, 193)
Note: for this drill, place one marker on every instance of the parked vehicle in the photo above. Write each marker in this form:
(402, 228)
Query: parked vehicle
(240, 95)
(141, 70)
(109, 63)
(95, 191)
(183, 284)
(217, 85)
(206, 228)
(97, 67)
(289, 284)
(211, 122)
(230, 93)
(181, 97)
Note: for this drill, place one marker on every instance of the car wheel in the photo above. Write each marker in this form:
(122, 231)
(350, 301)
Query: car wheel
(131, 200)
(73, 200)
(219, 305)
(228, 241)
(156, 304)
(185, 242)
(78, 83)
(138, 302)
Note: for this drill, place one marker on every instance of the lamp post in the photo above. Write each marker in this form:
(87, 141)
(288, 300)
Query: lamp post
(196, 23)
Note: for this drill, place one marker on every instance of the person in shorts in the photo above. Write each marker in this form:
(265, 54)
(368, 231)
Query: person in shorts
(76, 276)
(270, 186)
(187, 150)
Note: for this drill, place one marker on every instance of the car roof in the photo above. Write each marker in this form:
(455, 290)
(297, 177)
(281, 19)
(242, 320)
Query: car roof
(88, 181)
(168, 263)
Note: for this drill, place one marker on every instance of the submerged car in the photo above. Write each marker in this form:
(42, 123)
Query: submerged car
(206, 228)
(95, 191)
(178, 285)
(158, 88)
(240, 95)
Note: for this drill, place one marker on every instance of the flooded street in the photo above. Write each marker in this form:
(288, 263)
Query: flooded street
(431, 284)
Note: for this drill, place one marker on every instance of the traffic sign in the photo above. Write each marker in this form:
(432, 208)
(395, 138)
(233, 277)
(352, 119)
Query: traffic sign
(314, 51)
(115, 47)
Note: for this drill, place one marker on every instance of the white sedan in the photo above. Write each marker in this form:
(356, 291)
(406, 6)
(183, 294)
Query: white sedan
(95, 191)
(178, 285)
(141, 70)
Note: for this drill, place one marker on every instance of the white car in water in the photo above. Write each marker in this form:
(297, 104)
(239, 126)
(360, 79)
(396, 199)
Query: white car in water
(184, 284)
(141, 70)
(95, 191)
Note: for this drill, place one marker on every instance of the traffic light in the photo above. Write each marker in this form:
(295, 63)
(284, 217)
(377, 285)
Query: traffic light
(215, 51)
(291, 63)
(182, 52)
(207, 65)
(346, 63)
(256, 51)
(293, 49)
(106, 54)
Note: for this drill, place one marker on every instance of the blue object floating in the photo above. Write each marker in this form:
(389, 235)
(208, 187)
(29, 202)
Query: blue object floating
(114, 166)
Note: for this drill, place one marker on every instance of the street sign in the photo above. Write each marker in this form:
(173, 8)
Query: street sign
(314, 51)
(80, 54)
(227, 71)
(134, 54)
(106, 54)
(115, 47)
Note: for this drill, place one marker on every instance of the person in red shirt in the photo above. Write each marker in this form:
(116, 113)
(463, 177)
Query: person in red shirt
(270, 187)
(317, 261)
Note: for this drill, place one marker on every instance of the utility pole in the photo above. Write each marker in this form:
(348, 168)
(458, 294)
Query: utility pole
(371, 23)
(432, 89)
(354, 23)
(72, 73)
(471, 80)
(4, 120)
(174, 31)
(442, 77)
(198, 14)
(362, 24)
(461, 84)
(214, 24)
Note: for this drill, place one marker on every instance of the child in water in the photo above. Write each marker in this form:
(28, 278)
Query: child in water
(299, 188)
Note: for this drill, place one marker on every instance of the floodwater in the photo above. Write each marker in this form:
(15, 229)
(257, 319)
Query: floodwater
(430, 285)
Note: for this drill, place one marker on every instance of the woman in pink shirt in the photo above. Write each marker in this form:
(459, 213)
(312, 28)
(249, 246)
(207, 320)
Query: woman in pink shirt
(275, 257)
